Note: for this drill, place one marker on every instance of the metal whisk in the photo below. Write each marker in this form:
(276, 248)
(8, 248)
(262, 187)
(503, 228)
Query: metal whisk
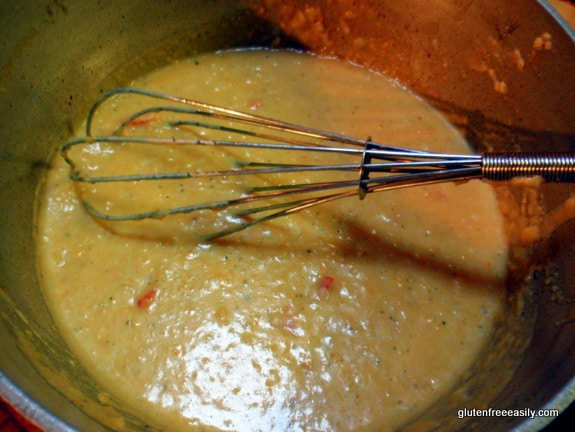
(372, 167)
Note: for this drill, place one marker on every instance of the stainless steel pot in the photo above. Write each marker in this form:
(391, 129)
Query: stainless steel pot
(56, 56)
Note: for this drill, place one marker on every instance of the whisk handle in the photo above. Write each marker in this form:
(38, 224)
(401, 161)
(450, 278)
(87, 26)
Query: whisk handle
(553, 167)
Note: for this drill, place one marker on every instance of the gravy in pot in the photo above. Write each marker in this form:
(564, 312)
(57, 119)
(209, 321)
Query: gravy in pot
(354, 315)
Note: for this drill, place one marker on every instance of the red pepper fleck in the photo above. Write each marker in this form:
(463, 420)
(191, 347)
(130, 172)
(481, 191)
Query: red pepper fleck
(145, 301)
(325, 283)
(144, 120)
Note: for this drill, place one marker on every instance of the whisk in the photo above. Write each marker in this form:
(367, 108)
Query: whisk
(372, 167)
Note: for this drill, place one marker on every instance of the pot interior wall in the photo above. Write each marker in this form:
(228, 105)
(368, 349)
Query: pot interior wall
(57, 57)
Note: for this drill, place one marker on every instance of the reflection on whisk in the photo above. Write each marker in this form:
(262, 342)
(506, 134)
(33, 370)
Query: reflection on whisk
(253, 169)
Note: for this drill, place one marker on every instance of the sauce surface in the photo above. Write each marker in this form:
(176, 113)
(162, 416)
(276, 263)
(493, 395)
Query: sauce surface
(354, 315)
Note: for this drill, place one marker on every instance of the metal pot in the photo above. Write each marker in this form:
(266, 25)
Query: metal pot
(57, 56)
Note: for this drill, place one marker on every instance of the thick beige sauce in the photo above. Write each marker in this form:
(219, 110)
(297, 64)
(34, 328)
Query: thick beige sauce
(349, 316)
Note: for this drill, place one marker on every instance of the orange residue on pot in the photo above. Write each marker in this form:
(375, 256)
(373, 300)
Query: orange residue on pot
(530, 221)
(543, 42)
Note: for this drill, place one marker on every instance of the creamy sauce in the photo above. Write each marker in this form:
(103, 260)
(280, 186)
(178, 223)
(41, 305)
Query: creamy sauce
(352, 315)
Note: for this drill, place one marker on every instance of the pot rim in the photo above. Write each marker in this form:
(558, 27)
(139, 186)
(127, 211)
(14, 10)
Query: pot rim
(42, 417)
(560, 401)
(30, 408)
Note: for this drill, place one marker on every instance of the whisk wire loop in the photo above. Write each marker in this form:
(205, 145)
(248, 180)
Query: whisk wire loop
(377, 167)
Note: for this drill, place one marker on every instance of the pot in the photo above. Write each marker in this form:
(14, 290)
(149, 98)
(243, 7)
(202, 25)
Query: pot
(57, 56)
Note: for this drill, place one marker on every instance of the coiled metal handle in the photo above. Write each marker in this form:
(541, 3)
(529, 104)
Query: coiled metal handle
(553, 167)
